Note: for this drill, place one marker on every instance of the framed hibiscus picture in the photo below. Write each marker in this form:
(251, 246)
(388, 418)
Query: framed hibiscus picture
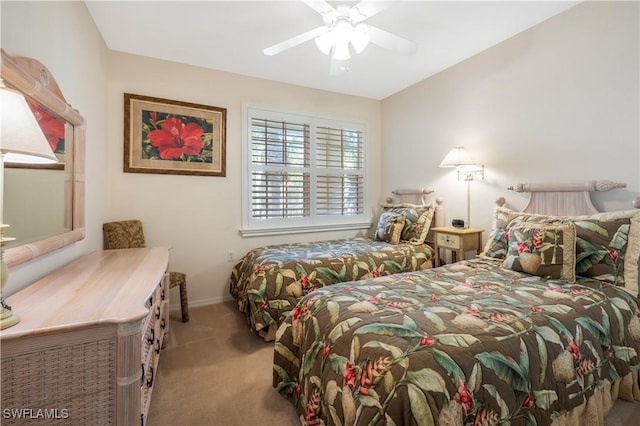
(173, 137)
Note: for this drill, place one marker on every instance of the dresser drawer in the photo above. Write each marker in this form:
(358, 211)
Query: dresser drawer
(448, 241)
(87, 354)
(146, 388)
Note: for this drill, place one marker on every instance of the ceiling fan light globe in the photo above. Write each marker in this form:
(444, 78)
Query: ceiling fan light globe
(360, 38)
(359, 45)
(341, 51)
(324, 43)
(342, 30)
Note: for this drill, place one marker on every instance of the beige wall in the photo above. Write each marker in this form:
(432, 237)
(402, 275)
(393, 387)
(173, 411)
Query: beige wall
(64, 38)
(559, 102)
(200, 216)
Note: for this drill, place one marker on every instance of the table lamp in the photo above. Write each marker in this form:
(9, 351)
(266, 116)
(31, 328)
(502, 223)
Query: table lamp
(21, 141)
(466, 169)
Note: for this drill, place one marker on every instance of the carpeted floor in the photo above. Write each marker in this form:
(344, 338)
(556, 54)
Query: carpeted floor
(214, 372)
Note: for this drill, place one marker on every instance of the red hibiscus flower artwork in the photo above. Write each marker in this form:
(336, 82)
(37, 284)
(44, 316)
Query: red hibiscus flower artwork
(52, 126)
(173, 137)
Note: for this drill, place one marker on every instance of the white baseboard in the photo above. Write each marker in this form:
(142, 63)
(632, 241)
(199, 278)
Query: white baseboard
(201, 302)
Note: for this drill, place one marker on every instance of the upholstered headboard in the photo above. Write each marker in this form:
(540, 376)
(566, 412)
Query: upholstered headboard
(558, 199)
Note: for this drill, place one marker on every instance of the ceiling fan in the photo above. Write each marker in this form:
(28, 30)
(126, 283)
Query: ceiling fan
(343, 28)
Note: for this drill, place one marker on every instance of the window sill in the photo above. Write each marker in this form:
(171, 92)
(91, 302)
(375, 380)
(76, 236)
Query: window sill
(304, 229)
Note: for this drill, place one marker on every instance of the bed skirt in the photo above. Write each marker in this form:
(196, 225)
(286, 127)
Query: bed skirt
(593, 411)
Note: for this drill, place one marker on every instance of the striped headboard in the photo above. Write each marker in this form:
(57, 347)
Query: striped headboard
(569, 199)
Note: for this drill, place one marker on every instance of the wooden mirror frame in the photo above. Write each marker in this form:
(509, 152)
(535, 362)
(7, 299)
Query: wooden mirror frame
(34, 80)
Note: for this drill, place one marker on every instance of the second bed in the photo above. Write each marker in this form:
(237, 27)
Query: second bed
(268, 281)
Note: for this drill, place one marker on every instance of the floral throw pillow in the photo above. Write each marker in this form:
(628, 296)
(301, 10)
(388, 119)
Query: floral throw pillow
(498, 241)
(417, 220)
(601, 248)
(390, 227)
(614, 236)
(542, 249)
(607, 243)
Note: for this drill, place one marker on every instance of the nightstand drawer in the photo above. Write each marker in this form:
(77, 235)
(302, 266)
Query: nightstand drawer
(448, 241)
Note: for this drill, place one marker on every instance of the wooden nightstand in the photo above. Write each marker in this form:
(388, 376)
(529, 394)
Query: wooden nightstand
(458, 240)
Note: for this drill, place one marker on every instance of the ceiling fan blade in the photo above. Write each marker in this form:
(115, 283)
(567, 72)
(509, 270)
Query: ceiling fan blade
(319, 6)
(367, 8)
(338, 66)
(390, 41)
(294, 41)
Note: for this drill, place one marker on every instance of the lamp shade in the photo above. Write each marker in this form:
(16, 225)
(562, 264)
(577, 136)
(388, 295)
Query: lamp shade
(457, 157)
(21, 138)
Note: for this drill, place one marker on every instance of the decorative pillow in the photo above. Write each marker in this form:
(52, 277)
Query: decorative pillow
(543, 249)
(619, 268)
(417, 220)
(390, 227)
(600, 249)
(497, 243)
(608, 247)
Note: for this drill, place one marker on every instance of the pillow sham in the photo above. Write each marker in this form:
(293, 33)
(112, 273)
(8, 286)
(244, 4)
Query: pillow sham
(497, 242)
(542, 249)
(600, 249)
(417, 220)
(390, 227)
(619, 263)
(608, 247)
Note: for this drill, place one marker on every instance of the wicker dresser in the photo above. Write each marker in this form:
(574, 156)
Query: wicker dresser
(85, 331)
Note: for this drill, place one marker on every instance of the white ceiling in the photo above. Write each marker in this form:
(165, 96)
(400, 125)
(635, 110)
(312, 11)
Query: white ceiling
(230, 36)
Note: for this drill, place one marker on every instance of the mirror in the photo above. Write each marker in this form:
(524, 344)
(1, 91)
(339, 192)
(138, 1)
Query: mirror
(36, 204)
(44, 205)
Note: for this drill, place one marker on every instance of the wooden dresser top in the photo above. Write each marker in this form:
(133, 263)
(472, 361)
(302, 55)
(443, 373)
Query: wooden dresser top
(107, 286)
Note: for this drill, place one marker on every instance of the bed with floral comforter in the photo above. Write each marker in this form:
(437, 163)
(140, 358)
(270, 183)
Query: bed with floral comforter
(469, 343)
(268, 281)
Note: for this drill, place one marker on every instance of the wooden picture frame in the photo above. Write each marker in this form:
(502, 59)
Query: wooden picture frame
(172, 137)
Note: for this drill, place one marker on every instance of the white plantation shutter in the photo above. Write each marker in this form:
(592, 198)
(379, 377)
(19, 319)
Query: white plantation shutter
(340, 173)
(280, 177)
(339, 195)
(339, 148)
(303, 171)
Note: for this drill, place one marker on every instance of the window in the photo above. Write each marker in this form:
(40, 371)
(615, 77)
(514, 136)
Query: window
(302, 173)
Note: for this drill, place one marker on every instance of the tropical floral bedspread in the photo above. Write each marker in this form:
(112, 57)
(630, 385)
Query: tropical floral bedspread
(268, 281)
(468, 343)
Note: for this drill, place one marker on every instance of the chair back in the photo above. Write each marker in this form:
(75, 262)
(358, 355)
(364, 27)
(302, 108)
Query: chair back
(123, 234)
